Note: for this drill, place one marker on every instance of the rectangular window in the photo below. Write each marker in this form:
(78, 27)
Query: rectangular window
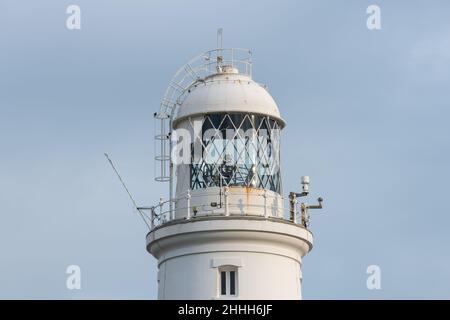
(223, 283)
(232, 283)
(228, 281)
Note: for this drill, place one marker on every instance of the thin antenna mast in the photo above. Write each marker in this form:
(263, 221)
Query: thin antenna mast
(219, 38)
(219, 49)
(126, 189)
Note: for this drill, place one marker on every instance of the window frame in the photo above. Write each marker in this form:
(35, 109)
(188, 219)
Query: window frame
(227, 270)
(255, 162)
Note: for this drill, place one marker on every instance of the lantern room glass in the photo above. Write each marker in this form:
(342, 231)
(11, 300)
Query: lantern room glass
(237, 149)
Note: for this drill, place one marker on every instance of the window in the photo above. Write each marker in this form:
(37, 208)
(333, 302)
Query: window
(237, 149)
(228, 281)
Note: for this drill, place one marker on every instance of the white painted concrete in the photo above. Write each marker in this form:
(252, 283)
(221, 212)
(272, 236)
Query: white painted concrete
(267, 254)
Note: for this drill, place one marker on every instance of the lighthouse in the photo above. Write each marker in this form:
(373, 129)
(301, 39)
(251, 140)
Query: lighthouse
(226, 230)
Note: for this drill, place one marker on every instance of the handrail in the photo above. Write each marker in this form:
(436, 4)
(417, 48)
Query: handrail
(162, 212)
(199, 68)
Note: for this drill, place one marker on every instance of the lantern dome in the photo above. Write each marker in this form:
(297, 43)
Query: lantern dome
(227, 92)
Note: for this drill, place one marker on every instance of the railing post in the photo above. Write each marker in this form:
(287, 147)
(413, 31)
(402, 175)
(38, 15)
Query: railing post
(292, 202)
(295, 214)
(188, 197)
(152, 217)
(227, 212)
(161, 202)
(232, 57)
(265, 203)
(303, 214)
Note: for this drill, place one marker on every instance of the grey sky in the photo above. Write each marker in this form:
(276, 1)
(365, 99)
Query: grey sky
(367, 118)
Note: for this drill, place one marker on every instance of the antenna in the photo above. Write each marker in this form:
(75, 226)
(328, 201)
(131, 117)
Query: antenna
(126, 189)
(219, 49)
(219, 38)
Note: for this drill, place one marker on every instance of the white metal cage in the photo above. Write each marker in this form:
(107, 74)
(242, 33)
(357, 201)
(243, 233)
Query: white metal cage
(196, 70)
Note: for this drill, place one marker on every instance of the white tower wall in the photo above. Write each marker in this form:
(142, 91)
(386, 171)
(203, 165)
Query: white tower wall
(266, 254)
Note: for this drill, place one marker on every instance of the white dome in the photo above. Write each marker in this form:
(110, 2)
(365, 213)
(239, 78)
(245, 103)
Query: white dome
(227, 92)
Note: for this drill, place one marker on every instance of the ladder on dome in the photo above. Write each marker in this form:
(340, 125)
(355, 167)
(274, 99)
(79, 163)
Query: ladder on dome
(197, 69)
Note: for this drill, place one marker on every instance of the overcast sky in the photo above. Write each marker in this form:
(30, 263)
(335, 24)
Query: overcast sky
(367, 119)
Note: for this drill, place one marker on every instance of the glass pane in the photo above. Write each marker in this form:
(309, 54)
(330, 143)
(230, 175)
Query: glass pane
(232, 283)
(238, 150)
(223, 283)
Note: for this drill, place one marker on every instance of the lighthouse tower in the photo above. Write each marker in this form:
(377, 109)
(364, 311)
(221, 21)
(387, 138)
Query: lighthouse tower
(226, 231)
